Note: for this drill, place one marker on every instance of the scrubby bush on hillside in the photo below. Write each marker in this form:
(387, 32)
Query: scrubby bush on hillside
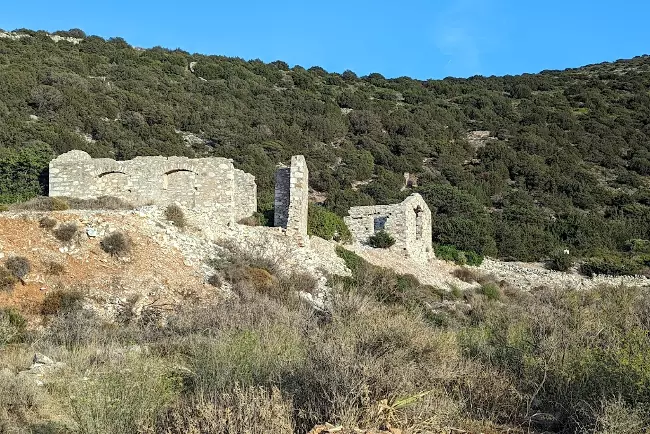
(7, 279)
(47, 223)
(19, 266)
(102, 202)
(61, 301)
(612, 265)
(44, 203)
(451, 253)
(116, 244)
(326, 224)
(66, 232)
(249, 221)
(174, 213)
(381, 240)
(12, 327)
(54, 268)
(560, 261)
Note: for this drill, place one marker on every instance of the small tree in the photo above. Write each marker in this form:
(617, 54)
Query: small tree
(381, 240)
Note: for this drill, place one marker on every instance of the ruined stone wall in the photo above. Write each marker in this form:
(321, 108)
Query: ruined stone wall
(292, 197)
(210, 185)
(282, 197)
(408, 222)
(245, 195)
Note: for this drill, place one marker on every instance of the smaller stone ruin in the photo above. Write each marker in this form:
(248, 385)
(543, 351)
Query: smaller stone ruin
(408, 222)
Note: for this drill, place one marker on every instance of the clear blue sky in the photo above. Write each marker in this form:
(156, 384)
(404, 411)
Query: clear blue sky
(417, 38)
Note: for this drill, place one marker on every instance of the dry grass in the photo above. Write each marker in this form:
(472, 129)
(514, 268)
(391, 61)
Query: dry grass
(252, 410)
(45, 203)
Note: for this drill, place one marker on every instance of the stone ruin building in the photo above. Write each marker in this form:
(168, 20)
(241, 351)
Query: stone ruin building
(210, 185)
(408, 222)
(213, 187)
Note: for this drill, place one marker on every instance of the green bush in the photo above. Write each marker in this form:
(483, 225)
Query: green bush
(326, 224)
(450, 253)
(381, 240)
(611, 265)
(474, 259)
(66, 232)
(353, 261)
(116, 244)
(175, 214)
(560, 261)
(490, 290)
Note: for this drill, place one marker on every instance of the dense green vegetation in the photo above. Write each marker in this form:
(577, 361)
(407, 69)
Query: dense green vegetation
(565, 165)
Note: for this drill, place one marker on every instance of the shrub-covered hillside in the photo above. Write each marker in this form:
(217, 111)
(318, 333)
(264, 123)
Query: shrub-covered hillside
(565, 164)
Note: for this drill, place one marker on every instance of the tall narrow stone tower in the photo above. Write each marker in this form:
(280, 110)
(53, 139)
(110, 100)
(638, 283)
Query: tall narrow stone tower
(292, 197)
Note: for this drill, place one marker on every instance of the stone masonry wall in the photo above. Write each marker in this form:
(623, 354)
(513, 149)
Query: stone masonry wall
(408, 222)
(210, 185)
(292, 198)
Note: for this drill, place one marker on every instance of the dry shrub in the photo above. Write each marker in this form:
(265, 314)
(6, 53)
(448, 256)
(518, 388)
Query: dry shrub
(19, 266)
(54, 268)
(467, 275)
(7, 280)
(215, 280)
(47, 223)
(174, 213)
(61, 302)
(253, 410)
(66, 232)
(124, 397)
(12, 326)
(102, 202)
(116, 244)
(298, 282)
(44, 203)
(19, 400)
(249, 221)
